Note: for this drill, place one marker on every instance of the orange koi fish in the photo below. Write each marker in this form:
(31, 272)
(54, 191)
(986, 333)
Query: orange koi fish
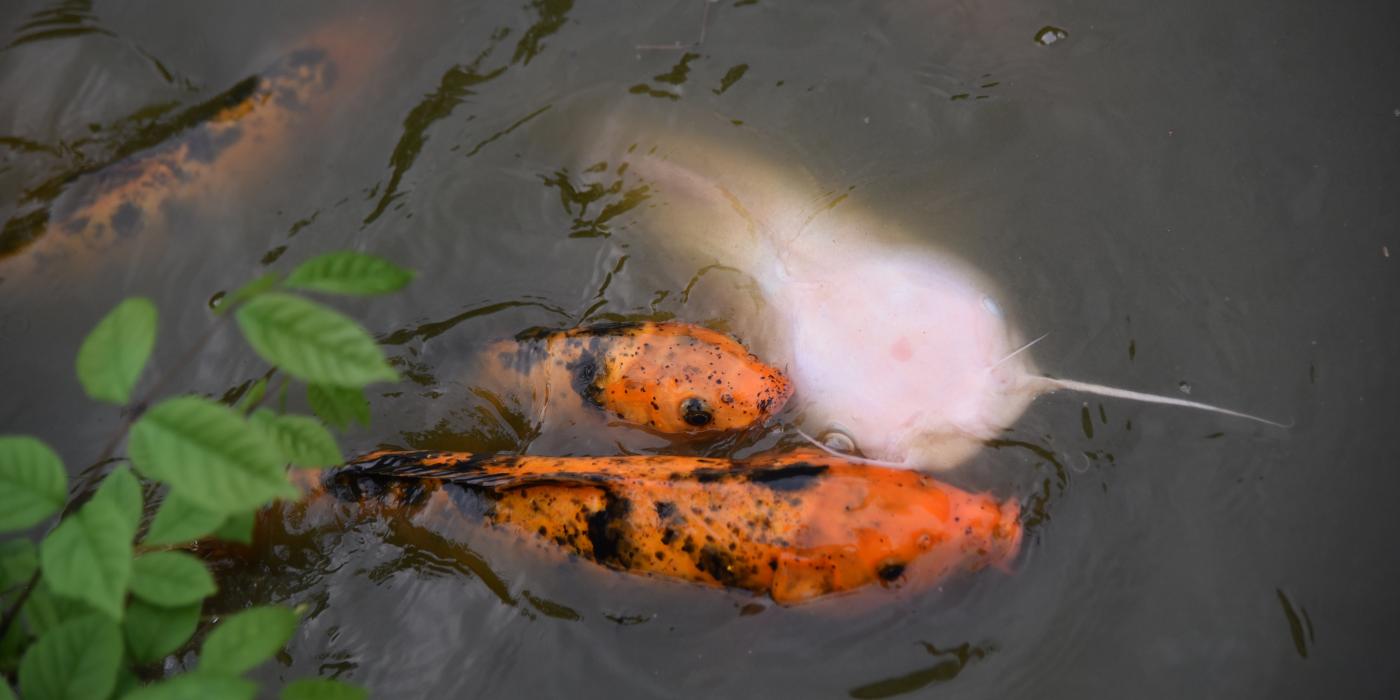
(670, 378)
(796, 526)
(196, 154)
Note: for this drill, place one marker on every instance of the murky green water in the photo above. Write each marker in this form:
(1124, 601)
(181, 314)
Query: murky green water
(1190, 197)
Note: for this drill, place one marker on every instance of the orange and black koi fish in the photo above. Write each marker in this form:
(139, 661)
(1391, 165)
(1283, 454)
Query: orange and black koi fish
(670, 378)
(197, 154)
(795, 526)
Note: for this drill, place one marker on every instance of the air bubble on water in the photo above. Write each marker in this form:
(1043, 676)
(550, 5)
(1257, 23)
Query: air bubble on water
(1049, 35)
(839, 441)
(1185, 387)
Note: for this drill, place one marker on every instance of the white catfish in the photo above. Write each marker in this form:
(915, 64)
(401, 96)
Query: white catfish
(889, 342)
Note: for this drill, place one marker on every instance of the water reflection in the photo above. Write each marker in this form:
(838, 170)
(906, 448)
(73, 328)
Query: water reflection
(1300, 626)
(456, 85)
(63, 20)
(431, 329)
(490, 423)
(951, 662)
(70, 19)
(1037, 505)
(576, 199)
(461, 82)
(428, 528)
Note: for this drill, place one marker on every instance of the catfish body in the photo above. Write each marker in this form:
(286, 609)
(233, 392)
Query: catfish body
(897, 346)
(797, 526)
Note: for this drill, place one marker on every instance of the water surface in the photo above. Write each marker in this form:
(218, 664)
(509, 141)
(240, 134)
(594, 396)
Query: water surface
(1190, 197)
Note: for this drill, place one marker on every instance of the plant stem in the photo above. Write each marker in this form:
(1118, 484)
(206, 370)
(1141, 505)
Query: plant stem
(281, 384)
(13, 611)
(129, 417)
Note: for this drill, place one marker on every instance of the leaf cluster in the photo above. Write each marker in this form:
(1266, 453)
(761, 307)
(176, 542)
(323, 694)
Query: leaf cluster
(98, 601)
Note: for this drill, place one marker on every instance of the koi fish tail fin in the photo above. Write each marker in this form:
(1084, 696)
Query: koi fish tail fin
(1048, 384)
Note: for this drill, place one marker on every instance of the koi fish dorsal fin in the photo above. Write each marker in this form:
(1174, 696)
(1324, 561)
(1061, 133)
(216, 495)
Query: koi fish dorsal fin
(412, 464)
(507, 471)
(462, 468)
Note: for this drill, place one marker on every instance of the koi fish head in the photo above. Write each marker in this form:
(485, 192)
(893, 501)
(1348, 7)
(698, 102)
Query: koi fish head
(864, 524)
(678, 378)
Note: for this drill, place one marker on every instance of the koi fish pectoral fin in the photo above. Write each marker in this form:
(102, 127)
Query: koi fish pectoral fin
(799, 579)
(800, 576)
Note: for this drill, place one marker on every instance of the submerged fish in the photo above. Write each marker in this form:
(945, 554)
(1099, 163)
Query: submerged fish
(669, 378)
(796, 526)
(197, 153)
(898, 347)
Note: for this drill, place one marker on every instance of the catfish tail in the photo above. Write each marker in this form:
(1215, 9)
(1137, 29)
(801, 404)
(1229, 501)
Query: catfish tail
(1047, 384)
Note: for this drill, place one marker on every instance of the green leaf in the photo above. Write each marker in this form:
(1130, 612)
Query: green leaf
(348, 272)
(248, 291)
(153, 632)
(126, 681)
(237, 528)
(180, 521)
(209, 454)
(5, 692)
(247, 639)
(338, 406)
(78, 659)
(171, 579)
(322, 689)
(33, 484)
(13, 643)
(197, 686)
(123, 490)
(19, 559)
(46, 610)
(252, 396)
(114, 353)
(312, 342)
(88, 556)
(303, 441)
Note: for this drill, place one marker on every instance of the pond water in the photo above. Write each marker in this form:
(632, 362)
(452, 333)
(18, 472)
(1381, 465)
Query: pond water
(1196, 199)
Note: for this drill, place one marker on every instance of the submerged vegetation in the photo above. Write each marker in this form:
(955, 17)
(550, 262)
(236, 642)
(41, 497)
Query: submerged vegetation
(96, 607)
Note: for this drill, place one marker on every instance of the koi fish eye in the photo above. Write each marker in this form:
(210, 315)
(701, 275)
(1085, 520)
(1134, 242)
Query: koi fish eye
(695, 412)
